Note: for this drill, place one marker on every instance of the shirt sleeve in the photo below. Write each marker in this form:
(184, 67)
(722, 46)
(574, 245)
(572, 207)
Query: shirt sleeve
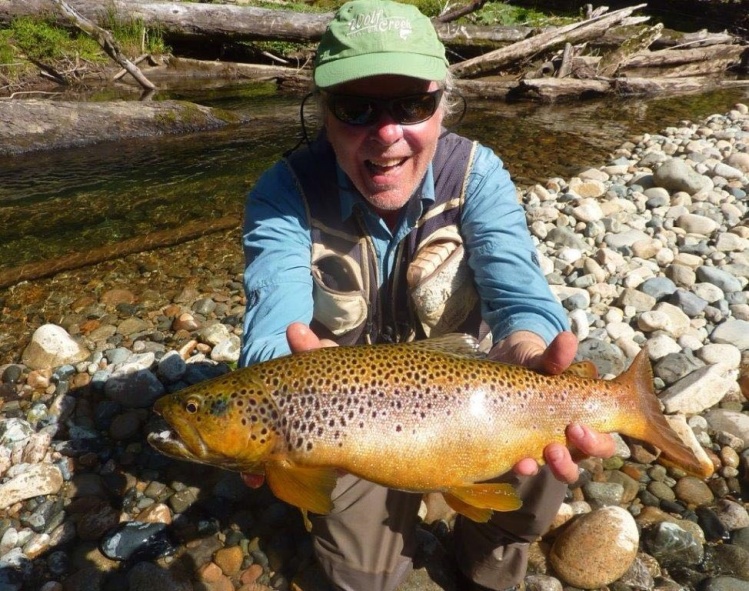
(513, 290)
(277, 277)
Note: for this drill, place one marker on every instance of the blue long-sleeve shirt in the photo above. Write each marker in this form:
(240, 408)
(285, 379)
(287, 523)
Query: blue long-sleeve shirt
(277, 244)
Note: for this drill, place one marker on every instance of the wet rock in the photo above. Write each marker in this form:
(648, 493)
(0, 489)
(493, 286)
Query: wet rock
(672, 545)
(137, 541)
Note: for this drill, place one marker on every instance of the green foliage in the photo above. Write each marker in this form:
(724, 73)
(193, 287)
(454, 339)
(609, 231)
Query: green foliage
(7, 53)
(134, 37)
(47, 43)
(501, 13)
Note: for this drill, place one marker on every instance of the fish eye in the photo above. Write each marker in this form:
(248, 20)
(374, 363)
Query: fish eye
(191, 406)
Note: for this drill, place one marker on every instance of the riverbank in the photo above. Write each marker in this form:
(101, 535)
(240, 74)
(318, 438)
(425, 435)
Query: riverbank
(651, 248)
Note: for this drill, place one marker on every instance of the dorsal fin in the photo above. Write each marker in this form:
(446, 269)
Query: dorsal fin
(459, 344)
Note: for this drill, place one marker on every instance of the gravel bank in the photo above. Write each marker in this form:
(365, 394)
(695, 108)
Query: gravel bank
(651, 248)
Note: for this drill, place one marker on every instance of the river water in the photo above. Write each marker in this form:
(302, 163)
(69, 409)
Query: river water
(77, 200)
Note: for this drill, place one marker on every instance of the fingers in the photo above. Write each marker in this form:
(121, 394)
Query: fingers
(529, 349)
(559, 354)
(562, 460)
(526, 467)
(589, 442)
(559, 459)
(301, 338)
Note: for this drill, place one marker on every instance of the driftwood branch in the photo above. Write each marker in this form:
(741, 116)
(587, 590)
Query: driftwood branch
(573, 33)
(612, 61)
(456, 13)
(105, 39)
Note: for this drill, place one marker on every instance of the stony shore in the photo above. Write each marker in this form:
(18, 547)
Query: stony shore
(650, 248)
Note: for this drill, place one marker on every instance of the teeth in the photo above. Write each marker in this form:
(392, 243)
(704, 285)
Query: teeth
(387, 163)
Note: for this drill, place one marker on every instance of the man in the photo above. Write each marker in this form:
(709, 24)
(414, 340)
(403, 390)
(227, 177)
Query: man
(388, 228)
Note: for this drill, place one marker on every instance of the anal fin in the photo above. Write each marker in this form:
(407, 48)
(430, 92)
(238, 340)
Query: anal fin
(306, 488)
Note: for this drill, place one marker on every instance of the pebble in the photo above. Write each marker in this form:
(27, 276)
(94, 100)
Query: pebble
(649, 250)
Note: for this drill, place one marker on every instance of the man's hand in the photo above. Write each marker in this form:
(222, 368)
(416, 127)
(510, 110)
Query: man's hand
(301, 338)
(528, 349)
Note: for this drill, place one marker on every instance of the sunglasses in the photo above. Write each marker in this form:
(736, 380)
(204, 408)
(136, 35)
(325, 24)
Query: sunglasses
(365, 110)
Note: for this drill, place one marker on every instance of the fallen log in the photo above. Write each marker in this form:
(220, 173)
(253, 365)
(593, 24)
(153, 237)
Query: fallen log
(190, 20)
(33, 125)
(677, 57)
(573, 33)
(122, 248)
(551, 90)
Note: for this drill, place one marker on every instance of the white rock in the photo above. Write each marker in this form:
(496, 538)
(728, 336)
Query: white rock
(697, 224)
(729, 242)
(227, 350)
(663, 319)
(587, 187)
(699, 390)
(618, 330)
(589, 210)
(37, 480)
(681, 427)
(52, 346)
(662, 345)
(733, 422)
(720, 353)
(709, 292)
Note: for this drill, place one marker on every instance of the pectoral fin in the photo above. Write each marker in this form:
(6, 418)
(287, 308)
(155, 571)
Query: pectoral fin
(306, 488)
(477, 501)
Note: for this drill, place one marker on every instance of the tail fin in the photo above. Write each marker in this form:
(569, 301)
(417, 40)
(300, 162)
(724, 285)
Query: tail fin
(655, 429)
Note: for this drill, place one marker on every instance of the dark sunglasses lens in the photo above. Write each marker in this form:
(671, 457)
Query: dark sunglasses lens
(354, 110)
(414, 109)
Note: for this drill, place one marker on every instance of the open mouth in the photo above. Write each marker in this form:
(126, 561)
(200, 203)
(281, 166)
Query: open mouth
(183, 444)
(384, 165)
(169, 443)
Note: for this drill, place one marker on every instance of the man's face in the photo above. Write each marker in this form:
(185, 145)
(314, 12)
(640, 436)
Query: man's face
(385, 160)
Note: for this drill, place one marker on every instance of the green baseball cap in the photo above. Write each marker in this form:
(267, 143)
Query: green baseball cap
(374, 37)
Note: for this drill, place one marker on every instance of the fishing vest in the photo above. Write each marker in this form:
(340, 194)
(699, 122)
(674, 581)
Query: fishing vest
(430, 291)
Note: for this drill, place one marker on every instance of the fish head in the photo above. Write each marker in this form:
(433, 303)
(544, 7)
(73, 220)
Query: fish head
(225, 422)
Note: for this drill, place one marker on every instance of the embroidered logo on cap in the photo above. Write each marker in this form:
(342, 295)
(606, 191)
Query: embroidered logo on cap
(377, 22)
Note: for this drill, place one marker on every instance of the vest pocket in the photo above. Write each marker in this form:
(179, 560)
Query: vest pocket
(441, 287)
(340, 304)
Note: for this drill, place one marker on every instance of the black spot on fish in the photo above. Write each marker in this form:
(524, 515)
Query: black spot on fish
(219, 407)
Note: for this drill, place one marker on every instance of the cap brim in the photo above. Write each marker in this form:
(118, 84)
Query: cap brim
(424, 67)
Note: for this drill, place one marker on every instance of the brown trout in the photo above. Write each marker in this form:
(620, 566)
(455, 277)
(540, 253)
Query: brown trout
(414, 416)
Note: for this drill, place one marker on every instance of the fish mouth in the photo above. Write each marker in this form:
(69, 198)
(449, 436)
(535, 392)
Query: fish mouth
(174, 444)
(183, 442)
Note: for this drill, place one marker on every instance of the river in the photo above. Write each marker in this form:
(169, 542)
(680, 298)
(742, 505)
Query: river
(56, 203)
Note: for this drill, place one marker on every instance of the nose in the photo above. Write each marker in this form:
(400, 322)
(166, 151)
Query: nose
(386, 130)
